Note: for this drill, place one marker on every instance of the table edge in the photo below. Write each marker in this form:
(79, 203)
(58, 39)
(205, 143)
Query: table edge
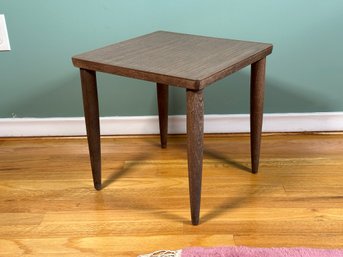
(234, 68)
(168, 79)
(136, 74)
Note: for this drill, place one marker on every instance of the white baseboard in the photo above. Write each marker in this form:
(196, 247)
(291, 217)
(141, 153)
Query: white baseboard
(231, 123)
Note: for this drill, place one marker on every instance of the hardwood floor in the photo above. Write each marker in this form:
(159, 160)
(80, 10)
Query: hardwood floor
(48, 206)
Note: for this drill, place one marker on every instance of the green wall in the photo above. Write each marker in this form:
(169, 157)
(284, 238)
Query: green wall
(37, 79)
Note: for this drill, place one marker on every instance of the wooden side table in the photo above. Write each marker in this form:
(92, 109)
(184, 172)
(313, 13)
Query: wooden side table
(188, 61)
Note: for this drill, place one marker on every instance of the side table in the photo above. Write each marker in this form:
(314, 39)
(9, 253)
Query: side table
(174, 59)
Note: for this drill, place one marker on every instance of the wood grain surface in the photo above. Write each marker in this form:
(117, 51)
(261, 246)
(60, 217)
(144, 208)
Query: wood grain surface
(48, 206)
(174, 59)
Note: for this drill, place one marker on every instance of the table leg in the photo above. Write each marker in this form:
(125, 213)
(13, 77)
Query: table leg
(195, 132)
(256, 110)
(91, 110)
(162, 100)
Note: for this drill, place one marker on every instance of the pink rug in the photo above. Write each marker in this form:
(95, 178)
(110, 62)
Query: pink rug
(242, 251)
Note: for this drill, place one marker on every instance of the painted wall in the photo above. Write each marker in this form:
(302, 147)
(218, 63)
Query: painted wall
(37, 79)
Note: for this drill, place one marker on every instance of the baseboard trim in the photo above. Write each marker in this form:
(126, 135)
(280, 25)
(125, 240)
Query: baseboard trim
(231, 123)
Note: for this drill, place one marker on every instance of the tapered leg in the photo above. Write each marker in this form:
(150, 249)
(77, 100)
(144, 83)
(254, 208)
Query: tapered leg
(256, 110)
(91, 110)
(162, 100)
(195, 132)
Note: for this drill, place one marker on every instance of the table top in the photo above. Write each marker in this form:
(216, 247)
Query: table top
(170, 58)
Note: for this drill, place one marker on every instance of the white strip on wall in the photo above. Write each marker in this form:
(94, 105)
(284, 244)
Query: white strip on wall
(232, 123)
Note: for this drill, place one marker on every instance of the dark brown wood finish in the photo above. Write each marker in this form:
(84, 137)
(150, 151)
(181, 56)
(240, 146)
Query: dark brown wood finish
(195, 132)
(174, 59)
(256, 110)
(91, 110)
(162, 100)
(188, 61)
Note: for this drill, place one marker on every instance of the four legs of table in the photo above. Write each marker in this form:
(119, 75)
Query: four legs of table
(162, 100)
(195, 127)
(195, 132)
(256, 110)
(91, 110)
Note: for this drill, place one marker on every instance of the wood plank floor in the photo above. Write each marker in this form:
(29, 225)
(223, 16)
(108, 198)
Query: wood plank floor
(48, 206)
